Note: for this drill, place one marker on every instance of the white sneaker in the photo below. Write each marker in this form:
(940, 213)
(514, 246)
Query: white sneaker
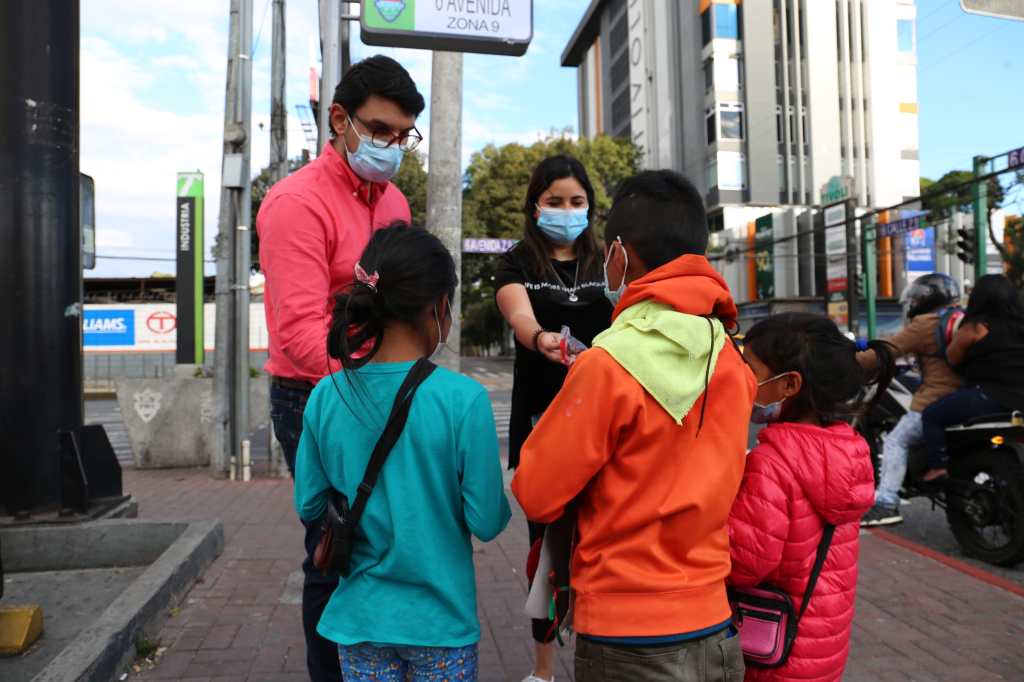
(533, 678)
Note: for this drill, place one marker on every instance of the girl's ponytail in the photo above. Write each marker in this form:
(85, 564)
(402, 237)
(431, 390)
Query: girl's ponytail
(884, 372)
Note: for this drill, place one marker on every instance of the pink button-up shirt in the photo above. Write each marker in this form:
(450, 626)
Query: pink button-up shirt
(313, 227)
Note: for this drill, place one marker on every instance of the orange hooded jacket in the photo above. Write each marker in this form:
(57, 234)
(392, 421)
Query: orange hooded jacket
(652, 554)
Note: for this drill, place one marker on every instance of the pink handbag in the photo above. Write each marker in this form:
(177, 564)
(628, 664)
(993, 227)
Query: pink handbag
(765, 617)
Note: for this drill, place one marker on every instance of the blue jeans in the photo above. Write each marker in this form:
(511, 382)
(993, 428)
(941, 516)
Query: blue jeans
(366, 662)
(286, 408)
(955, 408)
(907, 432)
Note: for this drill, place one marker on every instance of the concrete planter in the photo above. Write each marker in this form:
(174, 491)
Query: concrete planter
(170, 420)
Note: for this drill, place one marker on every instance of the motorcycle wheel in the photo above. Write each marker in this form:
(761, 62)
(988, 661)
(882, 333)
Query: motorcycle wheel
(987, 519)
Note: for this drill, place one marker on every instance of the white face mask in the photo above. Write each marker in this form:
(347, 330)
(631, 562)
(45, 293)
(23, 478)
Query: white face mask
(442, 343)
(615, 296)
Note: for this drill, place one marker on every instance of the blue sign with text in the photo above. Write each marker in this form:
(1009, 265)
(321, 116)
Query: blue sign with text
(108, 328)
(921, 251)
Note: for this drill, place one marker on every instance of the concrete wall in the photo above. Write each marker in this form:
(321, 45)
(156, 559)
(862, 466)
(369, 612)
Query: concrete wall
(759, 96)
(822, 87)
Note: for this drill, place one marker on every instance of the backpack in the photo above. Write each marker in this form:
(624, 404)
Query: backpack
(949, 321)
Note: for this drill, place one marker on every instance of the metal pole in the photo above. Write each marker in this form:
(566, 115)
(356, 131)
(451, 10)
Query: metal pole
(330, 47)
(852, 264)
(222, 376)
(980, 194)
(870, 276)
(444, 182)
(240, 418)
(278, 109)
(40, 263)
(346, 34)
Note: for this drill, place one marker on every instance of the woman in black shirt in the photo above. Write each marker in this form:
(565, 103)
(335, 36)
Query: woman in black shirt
(988, 351)
(550, 279)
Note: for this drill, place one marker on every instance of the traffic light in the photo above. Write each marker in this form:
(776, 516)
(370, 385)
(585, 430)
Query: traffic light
(967, 247)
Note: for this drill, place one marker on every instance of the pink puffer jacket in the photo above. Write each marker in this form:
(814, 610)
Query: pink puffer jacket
(798, 478)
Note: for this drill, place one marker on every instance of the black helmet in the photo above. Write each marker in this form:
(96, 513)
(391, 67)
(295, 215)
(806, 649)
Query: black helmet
(929, 293)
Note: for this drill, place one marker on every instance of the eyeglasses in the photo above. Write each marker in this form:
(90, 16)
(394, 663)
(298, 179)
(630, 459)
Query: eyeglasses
(407, 140)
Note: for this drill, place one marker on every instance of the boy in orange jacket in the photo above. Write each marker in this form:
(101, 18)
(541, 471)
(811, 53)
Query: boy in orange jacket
(648, 435)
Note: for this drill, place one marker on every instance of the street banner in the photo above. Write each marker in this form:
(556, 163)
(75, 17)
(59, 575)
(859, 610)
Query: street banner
(189, 248)
(486, 26)
(154, 327)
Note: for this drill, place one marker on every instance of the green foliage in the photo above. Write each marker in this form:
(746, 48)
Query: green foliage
(1013, 250)
(412, 180)
(495, 190)
(960, 199)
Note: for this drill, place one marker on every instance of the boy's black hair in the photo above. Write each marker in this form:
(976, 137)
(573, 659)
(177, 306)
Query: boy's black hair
(660, 214)
(381, 76)
(833, 380)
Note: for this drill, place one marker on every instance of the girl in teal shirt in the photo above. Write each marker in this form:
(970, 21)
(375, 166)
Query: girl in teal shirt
(409, 604)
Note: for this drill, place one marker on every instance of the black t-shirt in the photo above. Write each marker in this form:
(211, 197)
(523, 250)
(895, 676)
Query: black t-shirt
(559, 298)
(996, 364)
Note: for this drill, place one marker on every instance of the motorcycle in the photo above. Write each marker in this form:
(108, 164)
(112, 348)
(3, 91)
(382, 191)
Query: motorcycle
(983, 496)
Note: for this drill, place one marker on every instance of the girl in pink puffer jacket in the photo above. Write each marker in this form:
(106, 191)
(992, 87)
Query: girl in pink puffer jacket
(809, 469)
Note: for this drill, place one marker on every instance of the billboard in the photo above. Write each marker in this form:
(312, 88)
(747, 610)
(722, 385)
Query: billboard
(108, 327)
(154, 327)
(920, 245)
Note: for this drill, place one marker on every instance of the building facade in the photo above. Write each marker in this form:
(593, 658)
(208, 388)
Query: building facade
(758, 102)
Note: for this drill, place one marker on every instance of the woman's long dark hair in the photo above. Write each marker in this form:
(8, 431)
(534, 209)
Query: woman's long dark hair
(414, 272)
(995, 298)
(833, 380)
(537, 246)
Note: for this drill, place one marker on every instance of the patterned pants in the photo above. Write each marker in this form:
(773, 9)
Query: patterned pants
(366, 663)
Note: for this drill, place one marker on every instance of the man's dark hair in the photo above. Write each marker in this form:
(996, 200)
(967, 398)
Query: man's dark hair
(381, 76)
(661, 215)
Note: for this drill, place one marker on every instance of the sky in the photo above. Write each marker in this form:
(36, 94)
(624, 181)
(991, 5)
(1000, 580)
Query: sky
(152, 101)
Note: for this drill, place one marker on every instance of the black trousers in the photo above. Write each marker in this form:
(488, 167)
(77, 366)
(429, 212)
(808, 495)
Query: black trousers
(286, 407)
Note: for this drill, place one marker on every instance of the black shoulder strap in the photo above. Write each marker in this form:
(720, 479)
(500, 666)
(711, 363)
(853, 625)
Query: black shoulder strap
(819, 563)
(392, 430)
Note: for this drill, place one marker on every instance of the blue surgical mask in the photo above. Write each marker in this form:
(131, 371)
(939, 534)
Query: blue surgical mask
(767, 414)
(615, 296)
(562, 225)
(374, 164)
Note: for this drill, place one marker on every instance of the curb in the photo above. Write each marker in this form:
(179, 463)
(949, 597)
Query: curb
(950, 562)
(104, 649)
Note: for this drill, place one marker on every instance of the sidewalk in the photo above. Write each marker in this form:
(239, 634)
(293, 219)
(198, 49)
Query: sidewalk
(917, 619)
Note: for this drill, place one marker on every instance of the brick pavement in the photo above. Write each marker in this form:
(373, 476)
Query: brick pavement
(917, 619)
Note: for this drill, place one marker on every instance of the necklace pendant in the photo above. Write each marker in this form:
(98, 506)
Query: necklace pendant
(573, 298)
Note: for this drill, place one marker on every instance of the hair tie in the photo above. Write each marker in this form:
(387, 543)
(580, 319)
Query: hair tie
(369, 281)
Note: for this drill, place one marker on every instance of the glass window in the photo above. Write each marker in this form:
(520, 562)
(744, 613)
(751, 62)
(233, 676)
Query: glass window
(732, 170)
(732, 121)
(709, 119)
(905, 35)
(709, 74)
(778, 124)
(727, 23)
(782, 174)
(705, 25)
(711, 175)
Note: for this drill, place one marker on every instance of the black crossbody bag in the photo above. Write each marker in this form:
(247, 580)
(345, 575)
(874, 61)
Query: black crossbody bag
(333, 553)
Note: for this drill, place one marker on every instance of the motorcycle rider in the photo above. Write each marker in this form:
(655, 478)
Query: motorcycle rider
(923, 301)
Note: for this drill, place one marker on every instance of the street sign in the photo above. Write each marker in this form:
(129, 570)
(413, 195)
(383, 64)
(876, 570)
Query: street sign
(189, 274)
(764, 256)
(899, 227)
(492, 246)
(486, 26)
(838, 188)
(1016, 157)
(1003, 9)
(835, 249)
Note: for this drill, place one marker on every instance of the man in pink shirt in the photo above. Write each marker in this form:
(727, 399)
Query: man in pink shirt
(313, 227)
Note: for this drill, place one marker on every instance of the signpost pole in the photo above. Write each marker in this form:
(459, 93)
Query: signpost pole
(870, 276)
(980, 195)
(444, 181)
(278, 112)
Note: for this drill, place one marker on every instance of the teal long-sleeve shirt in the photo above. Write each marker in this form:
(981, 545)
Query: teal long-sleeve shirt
(412, 581)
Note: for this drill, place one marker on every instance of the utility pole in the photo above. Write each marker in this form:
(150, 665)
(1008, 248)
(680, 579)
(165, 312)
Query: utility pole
(980, 196)
(40, 263)
(346, 38)
(278, 110)
(231, 371)
(330, 74)
(444, 181)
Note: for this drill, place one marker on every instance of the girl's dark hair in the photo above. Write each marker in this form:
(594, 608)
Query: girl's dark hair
(415, 270)
(995, 298)
(833, 380)
(536, 245)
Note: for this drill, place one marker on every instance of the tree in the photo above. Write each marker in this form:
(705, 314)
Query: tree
(495, 190)
(1013, 251)
(950, 194)
(412, 180)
